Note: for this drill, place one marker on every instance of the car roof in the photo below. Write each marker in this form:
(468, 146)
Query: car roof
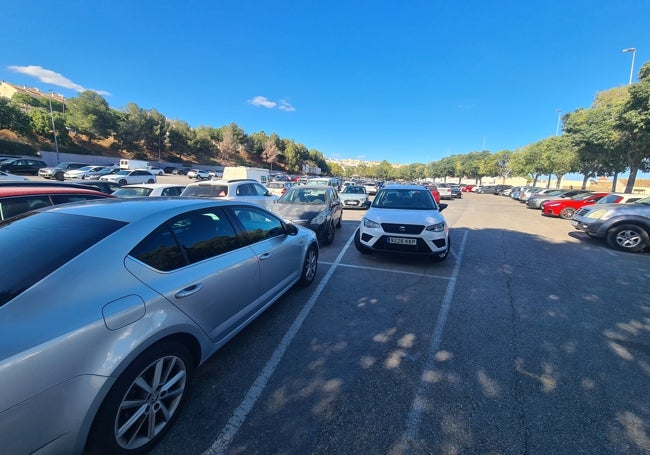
(134, 209)
(152, 185)
(403, 187)
(302, 187)
(24, 190)
(221, 182)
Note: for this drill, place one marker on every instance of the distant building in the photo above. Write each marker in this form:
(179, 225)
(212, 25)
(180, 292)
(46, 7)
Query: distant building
(8, 90)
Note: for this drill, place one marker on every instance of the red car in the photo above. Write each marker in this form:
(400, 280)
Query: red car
(467, 188)
(565, 208)
(434, 192)
(15, 200)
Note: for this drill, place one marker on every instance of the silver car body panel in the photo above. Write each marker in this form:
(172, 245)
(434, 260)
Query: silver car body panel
(118, 306)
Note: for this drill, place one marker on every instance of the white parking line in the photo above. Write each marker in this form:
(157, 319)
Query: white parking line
(379, 269)
(221, 444)
(419, 403)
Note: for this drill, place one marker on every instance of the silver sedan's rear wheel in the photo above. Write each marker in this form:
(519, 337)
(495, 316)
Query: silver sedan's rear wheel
(144, 402)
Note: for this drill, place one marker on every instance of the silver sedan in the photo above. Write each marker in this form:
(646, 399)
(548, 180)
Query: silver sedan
(109, 307)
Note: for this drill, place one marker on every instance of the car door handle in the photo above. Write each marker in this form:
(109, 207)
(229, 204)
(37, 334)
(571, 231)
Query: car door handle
(265, 256)
(188, 291)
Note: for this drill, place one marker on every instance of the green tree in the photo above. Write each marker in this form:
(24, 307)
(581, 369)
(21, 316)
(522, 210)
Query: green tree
(89, 114)
(527, 162)
(178, 138)
(559, 155)
(271, 151)
(595, 137)
(384, 170)
(14, 119)
(634, 125)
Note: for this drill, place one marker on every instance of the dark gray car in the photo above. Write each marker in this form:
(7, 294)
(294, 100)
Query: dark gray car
(624, 227)
(315, 207)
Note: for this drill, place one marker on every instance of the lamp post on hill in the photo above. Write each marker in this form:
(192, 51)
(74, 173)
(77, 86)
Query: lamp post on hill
(633, 50)
(56, 142)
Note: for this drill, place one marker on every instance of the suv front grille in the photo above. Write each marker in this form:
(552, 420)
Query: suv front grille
(413, 229)
(582, 211)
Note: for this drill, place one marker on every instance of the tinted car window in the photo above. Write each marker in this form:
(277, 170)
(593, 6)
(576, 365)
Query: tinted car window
(205, 190)
(65, 198)
(259, 189)
(16, 205)
(187, 239)
(172, 191)
(258, 224)
(36, 244)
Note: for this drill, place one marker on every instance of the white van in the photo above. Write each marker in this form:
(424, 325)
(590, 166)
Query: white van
(242, 172)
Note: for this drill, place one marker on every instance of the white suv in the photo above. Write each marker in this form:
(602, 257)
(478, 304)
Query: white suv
(247, 190)
(404, 219)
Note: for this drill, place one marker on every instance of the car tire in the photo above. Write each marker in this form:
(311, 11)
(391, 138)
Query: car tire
(122, 182)
(338, 224)
(330, 233)
(627, 237)
(439, 257)
(150, 181)
(309, 267)
(358, 245)
(59, 176)
(567, 213)
(162, 400)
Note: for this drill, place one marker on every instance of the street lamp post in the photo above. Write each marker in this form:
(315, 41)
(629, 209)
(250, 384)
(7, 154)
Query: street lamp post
(633, 50)
(56, 142)
(559, 116)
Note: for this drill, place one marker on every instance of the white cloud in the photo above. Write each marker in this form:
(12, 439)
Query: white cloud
(262, 101)
(285, 106)
(51, 77)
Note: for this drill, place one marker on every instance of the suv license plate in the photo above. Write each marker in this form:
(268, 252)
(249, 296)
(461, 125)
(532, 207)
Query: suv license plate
(402, 241)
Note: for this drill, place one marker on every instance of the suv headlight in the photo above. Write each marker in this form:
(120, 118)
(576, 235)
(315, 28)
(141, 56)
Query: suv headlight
(595, 214)
(370, 224)
(438, 227)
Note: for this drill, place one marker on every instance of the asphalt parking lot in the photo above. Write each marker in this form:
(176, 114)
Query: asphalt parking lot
(529, 339)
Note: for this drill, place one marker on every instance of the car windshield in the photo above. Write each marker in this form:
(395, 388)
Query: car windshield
(581, 196)
(645, 201)
(205, 191)
(353, 190)
(132, 192)
(404, 199)
(304, 196)
(37, 243)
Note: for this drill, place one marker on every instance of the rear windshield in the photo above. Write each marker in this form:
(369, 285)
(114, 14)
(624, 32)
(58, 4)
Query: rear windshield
(205, 191)
(36, 244)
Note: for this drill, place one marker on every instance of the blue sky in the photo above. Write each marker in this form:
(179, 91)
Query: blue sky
(404, 81)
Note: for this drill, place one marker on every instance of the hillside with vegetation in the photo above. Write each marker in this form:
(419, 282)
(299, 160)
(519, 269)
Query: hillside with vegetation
(609, 138)
(87, 125)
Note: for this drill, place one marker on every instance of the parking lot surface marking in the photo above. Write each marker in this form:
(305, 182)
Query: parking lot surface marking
(221, 444)
(379, 269)
(419, 404)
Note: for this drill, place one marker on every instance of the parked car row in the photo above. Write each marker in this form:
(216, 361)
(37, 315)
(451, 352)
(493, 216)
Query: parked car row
(621, 219)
